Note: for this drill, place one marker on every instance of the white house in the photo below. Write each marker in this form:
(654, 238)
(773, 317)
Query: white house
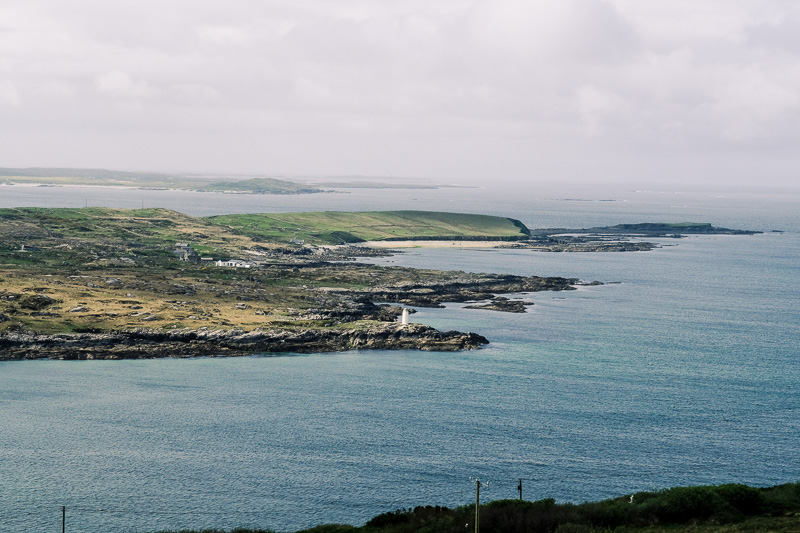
(232, 263)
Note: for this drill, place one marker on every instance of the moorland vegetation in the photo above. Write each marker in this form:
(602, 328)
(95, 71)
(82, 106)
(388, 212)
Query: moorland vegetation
(97, 271)
(729, 508)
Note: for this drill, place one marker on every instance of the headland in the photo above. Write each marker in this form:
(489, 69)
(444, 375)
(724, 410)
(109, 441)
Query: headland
(114, 283)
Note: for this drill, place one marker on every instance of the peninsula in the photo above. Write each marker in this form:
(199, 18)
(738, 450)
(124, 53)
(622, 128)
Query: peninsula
(112, 283)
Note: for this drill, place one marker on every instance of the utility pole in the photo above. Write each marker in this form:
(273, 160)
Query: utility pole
(519, 488)
(63, 518)
(477, 505)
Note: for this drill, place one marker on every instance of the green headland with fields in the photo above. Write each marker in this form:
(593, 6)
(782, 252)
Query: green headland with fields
(96, 271)
(259, 282)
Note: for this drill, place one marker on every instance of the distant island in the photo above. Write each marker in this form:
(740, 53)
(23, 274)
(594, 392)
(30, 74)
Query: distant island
(233, 184)
(116, 283)
(149, 180)
(618, 238)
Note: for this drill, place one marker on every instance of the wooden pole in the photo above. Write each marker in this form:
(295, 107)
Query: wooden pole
(519, 487)
(63, 518)
(477, 505)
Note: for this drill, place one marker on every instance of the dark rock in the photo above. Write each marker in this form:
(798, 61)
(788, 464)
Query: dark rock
(501, 303)
(469, 289)
(148, 343)
(36, 302)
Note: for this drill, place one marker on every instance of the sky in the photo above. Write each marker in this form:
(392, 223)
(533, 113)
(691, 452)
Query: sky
(499, 91)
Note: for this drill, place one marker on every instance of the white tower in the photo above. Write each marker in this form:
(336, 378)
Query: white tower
(404, 317)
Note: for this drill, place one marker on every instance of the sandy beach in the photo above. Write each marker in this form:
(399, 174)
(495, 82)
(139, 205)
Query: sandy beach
(434, 244)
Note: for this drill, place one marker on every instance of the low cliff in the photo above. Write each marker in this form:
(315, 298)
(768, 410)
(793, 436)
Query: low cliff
(147, 343)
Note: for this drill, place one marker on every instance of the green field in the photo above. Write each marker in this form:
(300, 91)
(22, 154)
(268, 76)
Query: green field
(335, 227)
(162, 227)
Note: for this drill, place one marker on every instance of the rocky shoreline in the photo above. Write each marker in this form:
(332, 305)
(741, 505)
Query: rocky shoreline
(150, 344)
(328, 328)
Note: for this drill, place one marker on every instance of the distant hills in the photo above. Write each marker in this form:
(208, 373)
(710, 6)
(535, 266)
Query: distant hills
(150, 180)
(88, 173)
(241, 184)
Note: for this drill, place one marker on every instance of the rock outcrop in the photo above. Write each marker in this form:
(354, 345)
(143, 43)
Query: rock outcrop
(471, 288)
(501, 303)
(148, 343)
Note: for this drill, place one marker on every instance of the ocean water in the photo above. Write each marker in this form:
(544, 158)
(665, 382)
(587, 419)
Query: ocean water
(681, 370)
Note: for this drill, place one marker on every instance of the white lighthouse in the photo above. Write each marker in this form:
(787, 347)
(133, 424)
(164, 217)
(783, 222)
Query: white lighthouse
(404, 317)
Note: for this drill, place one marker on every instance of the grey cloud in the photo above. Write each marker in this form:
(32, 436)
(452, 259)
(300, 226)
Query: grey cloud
(451, 88)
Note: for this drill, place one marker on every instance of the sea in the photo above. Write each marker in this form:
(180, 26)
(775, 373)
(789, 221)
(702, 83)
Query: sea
(683, 368)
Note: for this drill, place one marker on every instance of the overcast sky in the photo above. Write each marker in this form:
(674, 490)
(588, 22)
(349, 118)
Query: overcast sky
(644, 91)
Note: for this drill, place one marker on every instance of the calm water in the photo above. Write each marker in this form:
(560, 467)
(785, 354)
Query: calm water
(684, 372)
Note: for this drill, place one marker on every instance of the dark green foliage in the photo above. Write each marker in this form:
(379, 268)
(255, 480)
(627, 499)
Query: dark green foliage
(682, 504)
(781, 498)
(400, 516)
(418, 520)
(326, 528)
(671, 509)
(745, 500)
(723, 503)
(236, 530)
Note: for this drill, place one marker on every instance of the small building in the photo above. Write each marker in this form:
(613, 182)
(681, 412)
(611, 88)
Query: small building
(232, 263)
(299, 242)
(184, 252)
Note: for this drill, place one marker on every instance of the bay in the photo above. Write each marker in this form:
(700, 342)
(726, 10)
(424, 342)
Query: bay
(684, 372)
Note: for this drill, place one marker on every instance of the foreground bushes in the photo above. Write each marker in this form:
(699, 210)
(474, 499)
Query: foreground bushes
(720, 504)
(695, 506)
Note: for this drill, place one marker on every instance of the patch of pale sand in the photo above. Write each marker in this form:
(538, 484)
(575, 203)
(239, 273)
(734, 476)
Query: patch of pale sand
(433, 244)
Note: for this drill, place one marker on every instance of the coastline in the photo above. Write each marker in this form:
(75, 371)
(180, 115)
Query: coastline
(434, 244)
(206, 342)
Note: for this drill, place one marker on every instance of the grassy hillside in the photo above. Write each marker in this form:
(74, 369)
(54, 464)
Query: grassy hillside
(64, 270)
(163, 227)
(333, 227)
(146, 230)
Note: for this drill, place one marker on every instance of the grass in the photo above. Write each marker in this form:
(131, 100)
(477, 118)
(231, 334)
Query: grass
(335, 227)
(113, 269)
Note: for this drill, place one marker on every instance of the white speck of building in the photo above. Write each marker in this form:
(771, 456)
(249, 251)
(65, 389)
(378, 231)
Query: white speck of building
(404, 317)
(232, 263)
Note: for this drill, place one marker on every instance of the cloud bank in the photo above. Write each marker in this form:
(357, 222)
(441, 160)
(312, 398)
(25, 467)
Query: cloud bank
(538, 90)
